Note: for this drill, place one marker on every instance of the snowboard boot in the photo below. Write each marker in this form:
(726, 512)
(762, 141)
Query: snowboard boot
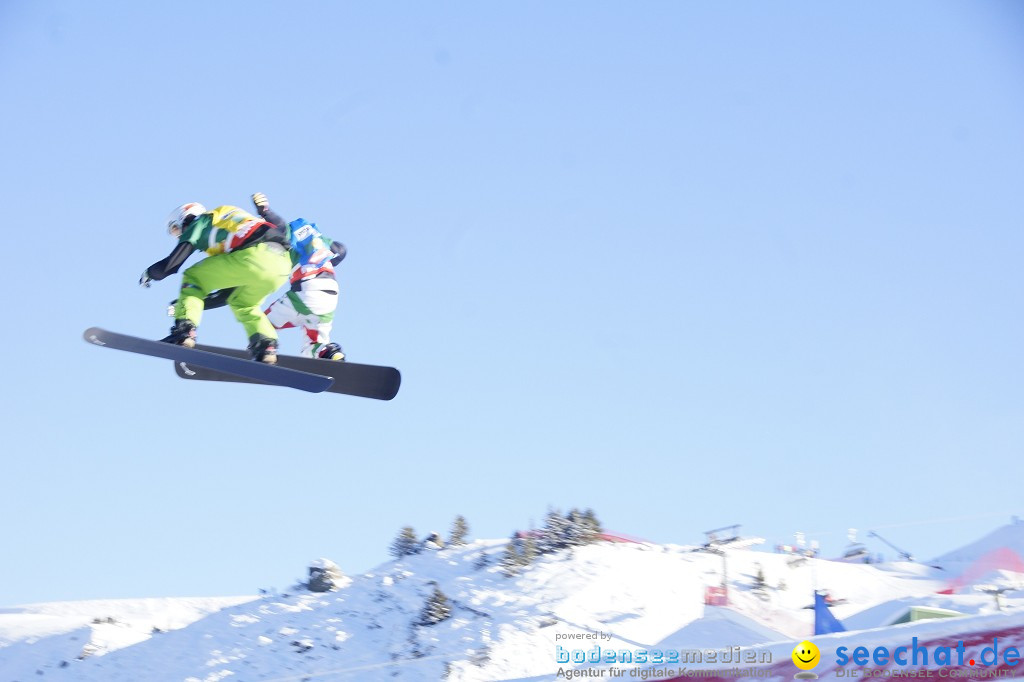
(263, 349)
(183, 333)
(331, 351)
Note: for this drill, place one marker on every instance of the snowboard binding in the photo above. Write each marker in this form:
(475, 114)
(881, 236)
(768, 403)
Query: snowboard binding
(183, 333)
(263, 349)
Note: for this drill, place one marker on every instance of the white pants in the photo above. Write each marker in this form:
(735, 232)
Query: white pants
(311, 308)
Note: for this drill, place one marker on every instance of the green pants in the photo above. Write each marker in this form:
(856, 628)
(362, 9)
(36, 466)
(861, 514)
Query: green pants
(254, 273)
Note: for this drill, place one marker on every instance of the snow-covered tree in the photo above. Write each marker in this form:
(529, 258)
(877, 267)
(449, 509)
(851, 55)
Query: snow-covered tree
(582, 528)
(405, 544)
(528, 550)
(592, 524)
(759, 582)
(436, 609)
(460, 529)
(324, 576)
(512, 558)
(554, 535)
(575, 531)
(433, 541)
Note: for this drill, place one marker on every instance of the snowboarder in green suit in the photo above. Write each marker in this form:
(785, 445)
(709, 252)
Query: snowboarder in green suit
(245, 253)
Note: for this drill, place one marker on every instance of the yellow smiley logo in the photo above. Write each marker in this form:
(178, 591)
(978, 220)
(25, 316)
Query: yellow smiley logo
(806, 655)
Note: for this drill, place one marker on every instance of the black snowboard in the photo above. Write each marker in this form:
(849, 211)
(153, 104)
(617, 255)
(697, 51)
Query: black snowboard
(350, 378)
(236, 367)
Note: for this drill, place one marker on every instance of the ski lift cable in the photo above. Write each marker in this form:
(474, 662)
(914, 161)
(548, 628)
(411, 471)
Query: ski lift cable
(945, 520)
(922, 522)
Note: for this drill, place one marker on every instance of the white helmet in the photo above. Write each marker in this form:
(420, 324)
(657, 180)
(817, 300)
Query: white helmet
(182, 216)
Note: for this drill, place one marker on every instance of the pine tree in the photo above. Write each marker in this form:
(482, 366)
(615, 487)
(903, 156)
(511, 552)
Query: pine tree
(592, 524)
(436, 609)
(555, 533)
(482, 561)
(529, 550)
(512, 558)
(460, 529)
(405, 544)
(579, 530)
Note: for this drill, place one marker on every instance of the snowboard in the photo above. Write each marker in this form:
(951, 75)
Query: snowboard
(350, 378)
(238, 367)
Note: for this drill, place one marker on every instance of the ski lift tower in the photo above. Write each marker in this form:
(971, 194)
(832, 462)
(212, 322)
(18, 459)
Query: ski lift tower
(717, 540)
(723, 535)
(996, 591)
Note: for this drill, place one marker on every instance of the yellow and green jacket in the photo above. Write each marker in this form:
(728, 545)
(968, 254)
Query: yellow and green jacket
(220, 230)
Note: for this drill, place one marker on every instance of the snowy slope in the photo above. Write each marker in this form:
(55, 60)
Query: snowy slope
(616, 595)
(995, 561)
(1010, 537)
(719, 625)
(34, 636)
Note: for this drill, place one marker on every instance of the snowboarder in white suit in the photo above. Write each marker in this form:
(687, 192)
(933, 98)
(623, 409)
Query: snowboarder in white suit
(313, 297)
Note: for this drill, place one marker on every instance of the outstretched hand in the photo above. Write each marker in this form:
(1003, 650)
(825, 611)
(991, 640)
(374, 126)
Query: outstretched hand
(260, 201)
(145, 279)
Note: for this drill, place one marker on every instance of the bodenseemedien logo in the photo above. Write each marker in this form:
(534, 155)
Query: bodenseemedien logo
(806, 656)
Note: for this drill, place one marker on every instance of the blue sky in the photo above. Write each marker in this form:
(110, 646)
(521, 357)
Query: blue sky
(690, 264)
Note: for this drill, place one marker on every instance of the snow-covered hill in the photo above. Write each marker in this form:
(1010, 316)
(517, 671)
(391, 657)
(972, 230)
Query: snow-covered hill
(35, 636)
(621, 596)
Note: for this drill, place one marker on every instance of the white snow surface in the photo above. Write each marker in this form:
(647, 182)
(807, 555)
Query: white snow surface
(1010, 536)
(616, 595)
(323, 563)
(34, 636)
